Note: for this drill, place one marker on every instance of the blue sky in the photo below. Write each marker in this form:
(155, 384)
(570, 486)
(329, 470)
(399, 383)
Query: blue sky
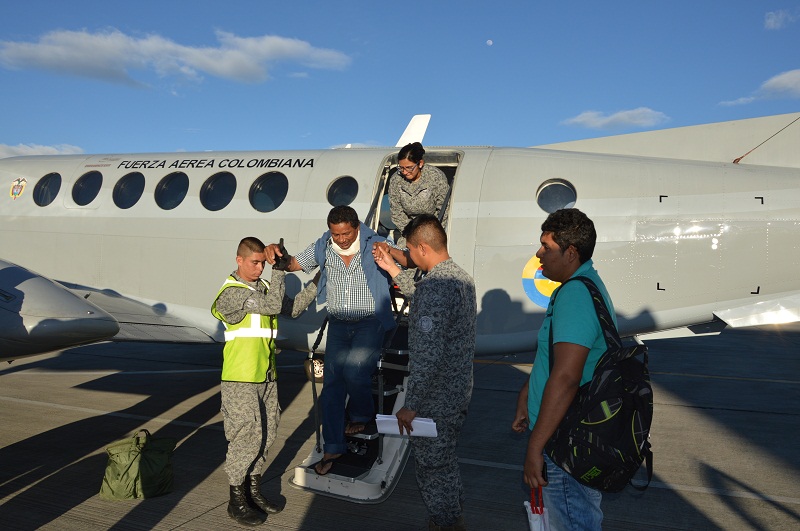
(110, 76)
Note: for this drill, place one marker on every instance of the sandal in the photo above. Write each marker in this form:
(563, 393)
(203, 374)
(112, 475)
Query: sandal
(320, 465)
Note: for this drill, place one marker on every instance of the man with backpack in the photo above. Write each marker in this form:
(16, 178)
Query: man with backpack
(567, 243)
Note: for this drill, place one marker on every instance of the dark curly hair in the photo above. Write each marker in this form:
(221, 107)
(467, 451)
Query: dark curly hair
(343, 214)
(570, 226)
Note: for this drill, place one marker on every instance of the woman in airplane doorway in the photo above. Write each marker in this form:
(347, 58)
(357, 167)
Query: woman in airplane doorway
(416, 188)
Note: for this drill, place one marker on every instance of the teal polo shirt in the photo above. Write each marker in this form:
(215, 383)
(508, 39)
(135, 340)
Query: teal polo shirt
(574, 320)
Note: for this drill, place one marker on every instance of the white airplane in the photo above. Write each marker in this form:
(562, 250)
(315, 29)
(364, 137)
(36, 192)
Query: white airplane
(697, 230)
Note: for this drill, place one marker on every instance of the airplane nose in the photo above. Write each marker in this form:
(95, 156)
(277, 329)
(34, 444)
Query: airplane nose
(39, 315)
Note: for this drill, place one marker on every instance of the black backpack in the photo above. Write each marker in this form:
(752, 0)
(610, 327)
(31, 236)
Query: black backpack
(603, 438)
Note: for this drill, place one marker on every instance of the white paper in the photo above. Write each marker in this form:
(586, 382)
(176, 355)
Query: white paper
(420, 426)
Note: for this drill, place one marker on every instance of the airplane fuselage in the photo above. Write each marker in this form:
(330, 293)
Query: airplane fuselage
(679, 242)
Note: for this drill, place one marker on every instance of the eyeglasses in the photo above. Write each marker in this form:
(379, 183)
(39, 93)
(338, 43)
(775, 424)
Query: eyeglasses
(406, 169)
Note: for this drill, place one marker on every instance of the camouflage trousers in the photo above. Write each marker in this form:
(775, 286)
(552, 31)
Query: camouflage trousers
(250, 414)
(438, 475)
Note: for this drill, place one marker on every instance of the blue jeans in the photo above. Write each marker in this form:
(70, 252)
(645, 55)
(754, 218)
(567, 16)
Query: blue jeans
(351, 357)
(570, 505)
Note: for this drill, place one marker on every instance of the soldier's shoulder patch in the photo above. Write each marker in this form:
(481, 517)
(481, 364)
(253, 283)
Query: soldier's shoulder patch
(425, 323)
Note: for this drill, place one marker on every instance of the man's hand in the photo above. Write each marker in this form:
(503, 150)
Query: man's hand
(532, 471)
(404, 418)
(520, 422)
(283, 261)
(273, 252)
(377, 246)
(380, 251)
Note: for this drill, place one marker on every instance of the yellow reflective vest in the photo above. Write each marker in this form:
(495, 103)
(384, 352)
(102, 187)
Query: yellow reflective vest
(249, 353)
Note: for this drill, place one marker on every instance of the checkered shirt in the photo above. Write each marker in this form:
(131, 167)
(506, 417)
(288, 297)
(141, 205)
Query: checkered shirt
(349, 297)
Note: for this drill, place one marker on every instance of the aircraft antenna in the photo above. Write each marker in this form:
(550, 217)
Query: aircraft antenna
(737, 160)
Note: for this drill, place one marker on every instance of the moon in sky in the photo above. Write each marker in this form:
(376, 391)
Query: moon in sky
(489, 42)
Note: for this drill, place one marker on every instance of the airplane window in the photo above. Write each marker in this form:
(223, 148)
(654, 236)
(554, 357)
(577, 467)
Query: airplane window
(128, 190)
(87, 187)
(342, 191)
(556, 194)
(171, 190)
(218, 191)
(47, 189)
(269, 191)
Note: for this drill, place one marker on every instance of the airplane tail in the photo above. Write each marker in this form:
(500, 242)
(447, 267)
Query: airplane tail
(415, 130)
(767, 141)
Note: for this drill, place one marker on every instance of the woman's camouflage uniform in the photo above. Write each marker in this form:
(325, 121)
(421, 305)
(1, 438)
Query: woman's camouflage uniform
(409, 199)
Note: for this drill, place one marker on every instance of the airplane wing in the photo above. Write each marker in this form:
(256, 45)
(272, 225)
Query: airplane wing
(767, 141)
(773, 311)
(139, 321)
(711, 328)
(39, 315)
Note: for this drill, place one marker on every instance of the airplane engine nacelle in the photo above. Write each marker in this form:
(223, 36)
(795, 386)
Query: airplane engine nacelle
(39, 315)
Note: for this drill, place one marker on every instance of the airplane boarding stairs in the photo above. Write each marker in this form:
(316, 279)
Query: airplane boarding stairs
(369, 471)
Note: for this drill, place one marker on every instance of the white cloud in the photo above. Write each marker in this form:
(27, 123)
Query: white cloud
(641, 117)
(775, 20)
(737, 101)
(35, 149)
(784, 84)
(111, 55)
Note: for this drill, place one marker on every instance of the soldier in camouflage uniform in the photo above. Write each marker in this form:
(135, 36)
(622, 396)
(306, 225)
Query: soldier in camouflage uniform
(441, 335)
(417, 188)
(248, 306)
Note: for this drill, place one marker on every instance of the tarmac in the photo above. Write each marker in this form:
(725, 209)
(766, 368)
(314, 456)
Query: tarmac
(725, 439)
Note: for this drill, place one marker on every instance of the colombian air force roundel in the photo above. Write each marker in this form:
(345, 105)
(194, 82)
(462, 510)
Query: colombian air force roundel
(537, 287)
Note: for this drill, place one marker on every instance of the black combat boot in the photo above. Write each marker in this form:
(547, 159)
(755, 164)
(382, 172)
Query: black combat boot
(255, 497)
(239, 509)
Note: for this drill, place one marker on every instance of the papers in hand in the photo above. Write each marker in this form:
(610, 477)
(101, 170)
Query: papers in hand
(420, 426)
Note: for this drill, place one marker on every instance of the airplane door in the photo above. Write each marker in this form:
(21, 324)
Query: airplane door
(380, 216)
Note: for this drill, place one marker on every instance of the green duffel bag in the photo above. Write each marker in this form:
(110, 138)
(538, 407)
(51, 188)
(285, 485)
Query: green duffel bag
(138, 467)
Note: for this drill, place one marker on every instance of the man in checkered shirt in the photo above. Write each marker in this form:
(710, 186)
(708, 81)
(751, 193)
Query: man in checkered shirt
(356, 291)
